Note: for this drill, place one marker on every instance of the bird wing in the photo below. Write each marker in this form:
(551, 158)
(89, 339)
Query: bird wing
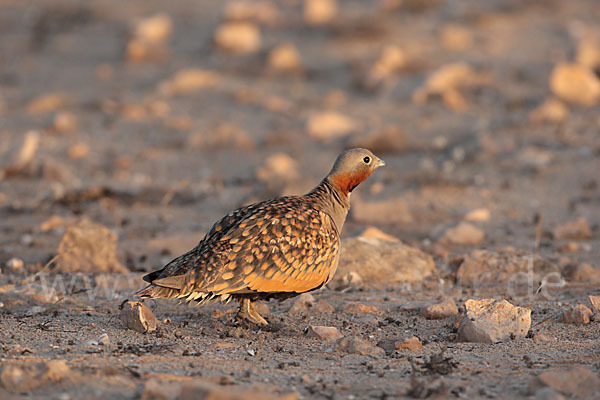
(282, 245)
(174, 274)
(291, 247)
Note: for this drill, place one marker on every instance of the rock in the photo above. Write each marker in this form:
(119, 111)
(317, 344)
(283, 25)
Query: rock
(138, 317)
(285, 58)
(46, 103)
(88, 247)
(595, 301)
(463, 234)
(391, 60)
(278, 167)
(394, 210)
(389, 140)
(189, 81)
(103, 339)
(264, 12)
(381, 262)
(262, 309)
(150, 38)
(158, 389)
(445, 309)
(350, 279)
(20, 158)
(412, 343)
(577, 381)
(78, 151)
(575, 84)
(551, 110)
(579, 314)
(573, 230)
(306, 303)
(320, 12)
(302, 303)
(15, 264)
(491, 321)
(330, 125)
(446, 82)
(588, 53)
(542, 337)
(238, 37)
(64, 122)
(372, 232)
(355, 307)
(456, 37)
(156, 29)
(482, 267)
(570, 247)
(198, 389)
(478, 215)
(355, 345)
(583, 272)
(547, 394)
(324, 332)
(26, 377)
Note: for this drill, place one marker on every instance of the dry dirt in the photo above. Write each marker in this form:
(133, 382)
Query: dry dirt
(121, 139)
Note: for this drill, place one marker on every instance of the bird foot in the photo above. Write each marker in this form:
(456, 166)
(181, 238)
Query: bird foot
(248, 313)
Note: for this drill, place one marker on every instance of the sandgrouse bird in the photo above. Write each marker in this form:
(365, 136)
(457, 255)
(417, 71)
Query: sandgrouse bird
(277, 248)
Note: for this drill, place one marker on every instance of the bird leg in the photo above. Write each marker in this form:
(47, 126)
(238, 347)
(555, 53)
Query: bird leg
(248, 312)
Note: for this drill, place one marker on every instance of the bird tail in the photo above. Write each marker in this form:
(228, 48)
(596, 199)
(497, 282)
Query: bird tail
(157, 292)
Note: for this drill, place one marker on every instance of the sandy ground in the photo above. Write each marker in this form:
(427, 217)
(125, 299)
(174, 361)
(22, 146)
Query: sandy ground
(120, 141)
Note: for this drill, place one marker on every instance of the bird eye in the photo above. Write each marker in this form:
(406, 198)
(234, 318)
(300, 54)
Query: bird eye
(367, 159)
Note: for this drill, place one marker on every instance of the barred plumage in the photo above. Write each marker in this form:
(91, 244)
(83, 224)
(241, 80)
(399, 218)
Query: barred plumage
(276, 248)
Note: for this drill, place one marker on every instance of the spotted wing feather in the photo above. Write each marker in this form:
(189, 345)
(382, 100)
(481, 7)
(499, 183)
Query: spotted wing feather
(281, 245)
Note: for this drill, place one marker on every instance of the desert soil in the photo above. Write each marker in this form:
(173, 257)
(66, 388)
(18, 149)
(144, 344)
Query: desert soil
(96, 123)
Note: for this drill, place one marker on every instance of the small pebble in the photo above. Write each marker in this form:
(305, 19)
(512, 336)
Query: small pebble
(15, 264)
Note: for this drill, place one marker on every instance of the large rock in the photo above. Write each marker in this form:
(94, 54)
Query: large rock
(445, 309)
(382, 262)
(464, 234)
(306, 303)
(189, 80)
(576, 230)
(576, 84)
(138, 317)
(150, 38)
(491, 321)
(238, 37)
(485, 267)
(320, 12)
(412, 343)
(355, 345)
(324, 332)
(25, 377)
(579, 315)
(202, 389)
(88, 247)
(583, 272)
(575, 382)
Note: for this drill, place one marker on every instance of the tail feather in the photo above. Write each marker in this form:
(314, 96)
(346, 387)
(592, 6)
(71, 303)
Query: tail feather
(157, 292)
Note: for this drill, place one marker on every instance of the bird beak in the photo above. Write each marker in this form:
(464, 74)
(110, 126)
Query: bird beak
(380, 163)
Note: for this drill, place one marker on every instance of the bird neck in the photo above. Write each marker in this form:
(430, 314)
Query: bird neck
(332, 201)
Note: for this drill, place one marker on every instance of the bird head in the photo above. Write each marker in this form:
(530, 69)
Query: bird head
(352, 167)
